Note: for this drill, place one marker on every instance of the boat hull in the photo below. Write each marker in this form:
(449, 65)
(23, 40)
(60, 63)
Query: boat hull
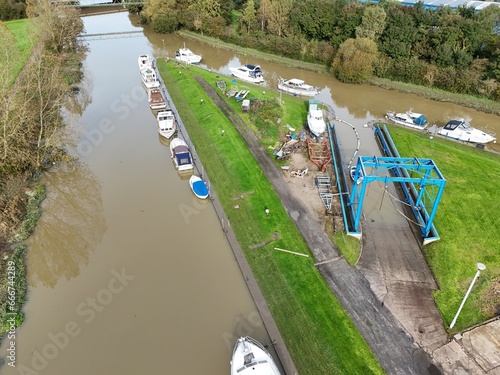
(297, 88)
(250, 357)
(409, 119)
(185, 55)
(315, 119)
(248, 73)
(199, 187)
(461, 130)
(181, 155)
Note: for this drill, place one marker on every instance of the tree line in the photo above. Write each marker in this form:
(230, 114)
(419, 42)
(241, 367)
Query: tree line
(457, 50)
(35, 108)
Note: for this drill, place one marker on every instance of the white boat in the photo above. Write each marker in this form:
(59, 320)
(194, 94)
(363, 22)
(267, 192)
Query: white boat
(156, 99)
(166, 123)
(149, 78)
(410, 119)
(461, 130)
(185, 55)
(199, 187)
(249, 73)
(250, 357)
(315, 120)
(181, 155)
(298, 87)
(145, 61)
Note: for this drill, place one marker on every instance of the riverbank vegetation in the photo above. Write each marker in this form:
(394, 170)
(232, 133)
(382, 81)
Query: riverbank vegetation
(455, 50)
(467, 222)
(39, 64)
(310, 319)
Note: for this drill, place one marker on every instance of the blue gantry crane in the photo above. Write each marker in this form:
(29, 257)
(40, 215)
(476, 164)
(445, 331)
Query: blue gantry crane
(420, 180)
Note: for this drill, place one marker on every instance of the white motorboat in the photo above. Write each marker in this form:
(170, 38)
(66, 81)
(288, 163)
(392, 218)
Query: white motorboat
(250, 357)
(187, 56)
(149, 78)
(315, 120)
(461, 130)
(411, 119)
(166, 123)
(145, 61)
(181, 155)
(249, 73)
(199, 187)
(298, 87)
(156, 99)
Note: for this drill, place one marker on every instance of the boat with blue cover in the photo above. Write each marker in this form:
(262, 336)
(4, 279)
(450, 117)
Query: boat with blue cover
(199, 187)
(410, 119)
(181, 155)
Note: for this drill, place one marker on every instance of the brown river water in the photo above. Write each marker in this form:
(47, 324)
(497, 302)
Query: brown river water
(128, 273)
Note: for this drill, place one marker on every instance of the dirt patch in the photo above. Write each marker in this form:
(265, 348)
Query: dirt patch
(304, 185)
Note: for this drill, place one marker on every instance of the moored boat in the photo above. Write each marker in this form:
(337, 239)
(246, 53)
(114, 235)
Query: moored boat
(156, 99)
(461, 130)
(145, 61)
(315, 120)
(249, 73)
(410, 119)
(149, 78)
(199, 187)
(250, 357)
(296, 86)
(181, 155)
(166, 123)
(187, 56)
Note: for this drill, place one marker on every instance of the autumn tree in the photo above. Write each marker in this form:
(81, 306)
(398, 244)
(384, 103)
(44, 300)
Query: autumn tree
(355, 60)
(263, 13)
(248, 19)
(372, 24)
(278, 21)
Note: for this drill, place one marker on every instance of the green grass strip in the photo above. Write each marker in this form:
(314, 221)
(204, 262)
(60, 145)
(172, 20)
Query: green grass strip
(467, 221)
(318, 333)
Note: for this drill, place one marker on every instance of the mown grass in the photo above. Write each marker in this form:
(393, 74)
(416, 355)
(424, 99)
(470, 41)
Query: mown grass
(318, 333)
(25, 41)
(467, 221)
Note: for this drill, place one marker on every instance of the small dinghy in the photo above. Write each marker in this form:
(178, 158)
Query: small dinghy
(199, 187)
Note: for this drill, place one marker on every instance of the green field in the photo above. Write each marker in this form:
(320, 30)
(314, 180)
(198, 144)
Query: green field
(468, 224)
(25, 40)
(318, 333)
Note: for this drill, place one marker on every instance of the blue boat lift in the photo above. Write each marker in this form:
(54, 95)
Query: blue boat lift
(419, 178)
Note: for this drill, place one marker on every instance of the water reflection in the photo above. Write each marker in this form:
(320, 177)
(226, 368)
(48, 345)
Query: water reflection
(71, 226)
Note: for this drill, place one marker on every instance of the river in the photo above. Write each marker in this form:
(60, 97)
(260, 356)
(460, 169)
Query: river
(128, 274)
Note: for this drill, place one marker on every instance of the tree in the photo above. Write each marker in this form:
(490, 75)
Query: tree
(248, 19)
(399, 34)
(278, 22)
(372, 24)
(263, 13)
(355, 60)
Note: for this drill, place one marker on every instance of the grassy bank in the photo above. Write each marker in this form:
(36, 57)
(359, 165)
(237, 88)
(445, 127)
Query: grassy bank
(467, 221)
(483, 105)
(319, 335)
(25, 40)
(19, 201)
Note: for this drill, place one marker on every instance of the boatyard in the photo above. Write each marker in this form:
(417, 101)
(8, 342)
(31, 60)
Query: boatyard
(407, 311)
